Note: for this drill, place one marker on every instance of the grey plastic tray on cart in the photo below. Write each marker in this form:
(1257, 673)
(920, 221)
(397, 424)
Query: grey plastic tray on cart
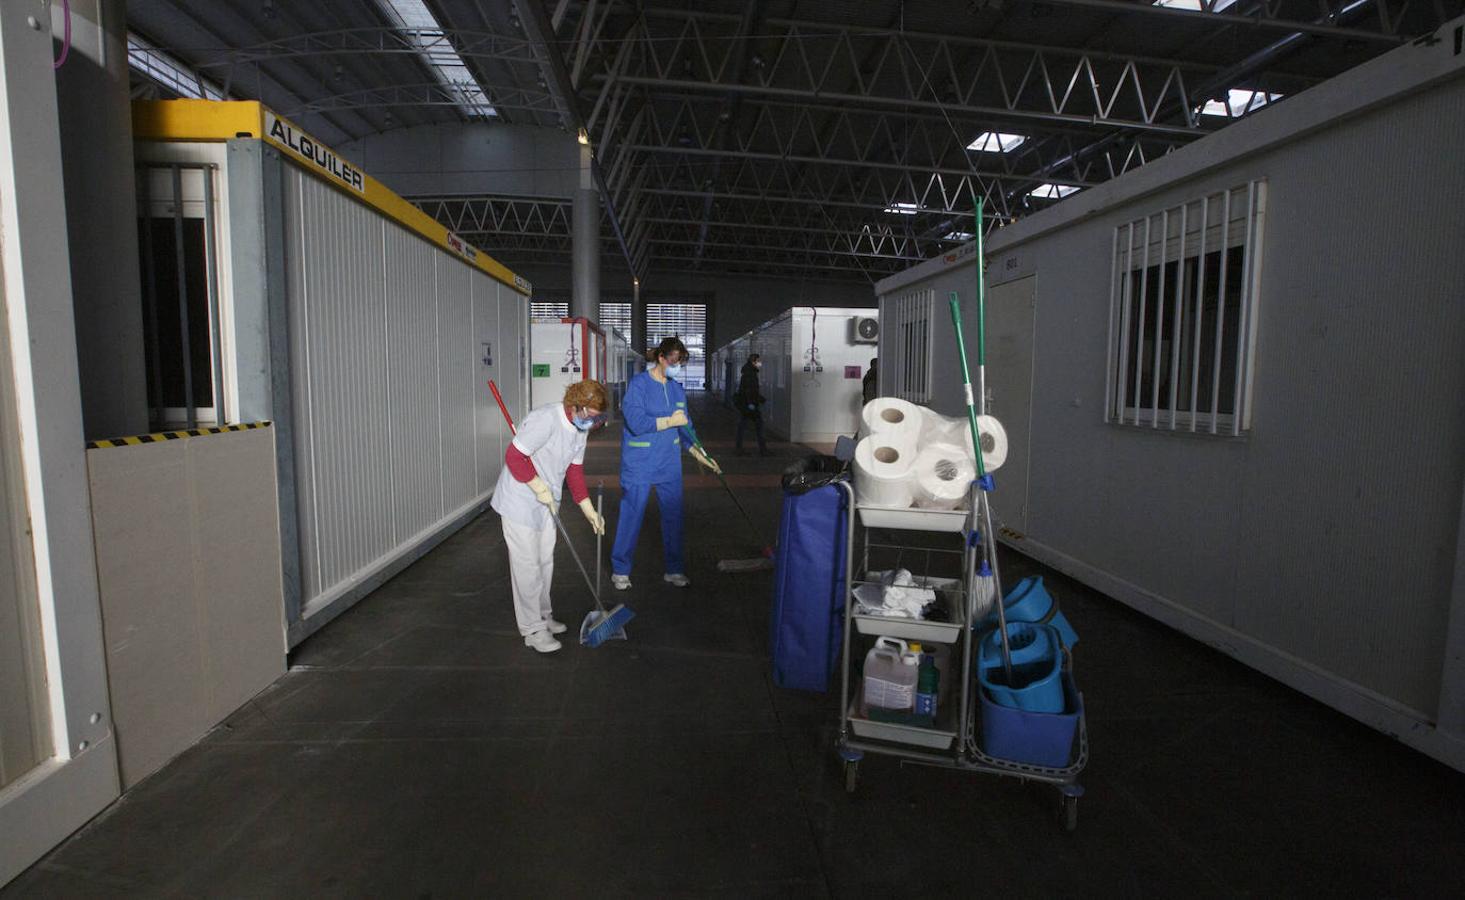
(918, 629)
(912, 518)
(930, 738)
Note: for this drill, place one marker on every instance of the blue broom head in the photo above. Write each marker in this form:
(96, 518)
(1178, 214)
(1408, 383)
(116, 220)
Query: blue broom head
(610, 626)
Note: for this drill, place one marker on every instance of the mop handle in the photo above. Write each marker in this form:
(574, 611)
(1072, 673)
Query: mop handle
(502, 408)
(599, 511)
(984, 523)
(552, 514)
(697, 442)
(966, 378)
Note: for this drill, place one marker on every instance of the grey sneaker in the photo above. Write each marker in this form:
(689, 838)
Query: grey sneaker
(676, 579)
(620, 582)
(542, 641)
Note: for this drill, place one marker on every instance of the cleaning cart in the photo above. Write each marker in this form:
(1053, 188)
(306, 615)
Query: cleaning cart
(958, 738)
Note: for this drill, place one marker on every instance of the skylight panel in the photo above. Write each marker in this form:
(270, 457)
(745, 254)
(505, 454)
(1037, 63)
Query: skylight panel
(1217, 6)
(421, 27)
(996, 142)
(163, 69)
(1051, 191)
(1238, 102)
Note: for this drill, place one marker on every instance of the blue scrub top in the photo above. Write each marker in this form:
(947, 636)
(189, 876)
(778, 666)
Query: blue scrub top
(649, 456)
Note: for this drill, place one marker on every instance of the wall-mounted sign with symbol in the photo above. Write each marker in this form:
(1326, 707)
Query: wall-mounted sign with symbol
(487, 353)
(851, 371)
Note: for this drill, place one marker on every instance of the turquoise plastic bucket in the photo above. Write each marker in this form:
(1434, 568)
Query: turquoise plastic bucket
(1037, 668)
(1029, 601)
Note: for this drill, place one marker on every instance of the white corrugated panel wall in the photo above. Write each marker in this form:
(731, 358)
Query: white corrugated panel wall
(392, 344)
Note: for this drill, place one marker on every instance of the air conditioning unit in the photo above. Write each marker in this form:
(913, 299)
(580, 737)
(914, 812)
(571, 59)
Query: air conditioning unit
(865, 330)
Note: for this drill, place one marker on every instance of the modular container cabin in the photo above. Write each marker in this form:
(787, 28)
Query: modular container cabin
(564, 352)
(1232, 381)
(322, 302)
(621, 363)
(814, 363)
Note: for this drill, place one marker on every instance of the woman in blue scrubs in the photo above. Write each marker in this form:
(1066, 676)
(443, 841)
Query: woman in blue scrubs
(656, 429)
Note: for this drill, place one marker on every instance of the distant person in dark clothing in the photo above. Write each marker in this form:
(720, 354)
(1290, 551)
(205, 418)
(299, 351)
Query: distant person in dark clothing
(869, 384)
(750, 400)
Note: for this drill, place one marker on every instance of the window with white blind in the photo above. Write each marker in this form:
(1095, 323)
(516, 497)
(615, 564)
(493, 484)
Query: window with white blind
(617, 316)
(548, 311)
(1183, 314)
(906, 320)
(687, 321)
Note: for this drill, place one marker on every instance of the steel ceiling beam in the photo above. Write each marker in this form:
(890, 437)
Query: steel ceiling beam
(1269, 15)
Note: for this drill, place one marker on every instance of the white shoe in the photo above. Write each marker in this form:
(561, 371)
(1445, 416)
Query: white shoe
(620, 582)
(676, 579)
(542, 641)
(555, 626)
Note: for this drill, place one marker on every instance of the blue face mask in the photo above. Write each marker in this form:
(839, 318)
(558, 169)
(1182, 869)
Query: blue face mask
(674, 371)
(586, 422)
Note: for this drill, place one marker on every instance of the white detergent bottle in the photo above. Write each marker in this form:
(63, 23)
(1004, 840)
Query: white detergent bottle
(891, 672)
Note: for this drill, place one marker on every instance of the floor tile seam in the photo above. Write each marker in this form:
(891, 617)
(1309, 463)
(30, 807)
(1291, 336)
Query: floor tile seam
(793, 775)
(1167, 835)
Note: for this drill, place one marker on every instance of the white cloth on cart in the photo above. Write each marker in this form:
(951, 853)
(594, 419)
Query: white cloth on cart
(897, 595)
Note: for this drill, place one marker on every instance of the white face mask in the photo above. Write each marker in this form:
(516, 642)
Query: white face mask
(757, 363)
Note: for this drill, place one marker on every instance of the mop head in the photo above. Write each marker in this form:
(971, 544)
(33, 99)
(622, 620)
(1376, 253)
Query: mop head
(597, 628)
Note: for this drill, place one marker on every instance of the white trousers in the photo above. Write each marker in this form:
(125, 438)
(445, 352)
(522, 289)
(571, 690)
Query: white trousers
(531, 571)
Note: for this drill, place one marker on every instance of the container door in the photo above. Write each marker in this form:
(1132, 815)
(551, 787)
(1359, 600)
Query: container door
(1010, 313)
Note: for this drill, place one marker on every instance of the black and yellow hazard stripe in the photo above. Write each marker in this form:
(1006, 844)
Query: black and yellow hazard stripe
(161, 436)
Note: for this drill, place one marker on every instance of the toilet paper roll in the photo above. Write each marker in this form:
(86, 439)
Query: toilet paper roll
(883, 466)
(941, 429)
(994, 442)
(885, 415)
(943, 475)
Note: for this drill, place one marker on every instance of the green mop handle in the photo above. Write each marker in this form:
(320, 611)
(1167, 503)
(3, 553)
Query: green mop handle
(966, 378)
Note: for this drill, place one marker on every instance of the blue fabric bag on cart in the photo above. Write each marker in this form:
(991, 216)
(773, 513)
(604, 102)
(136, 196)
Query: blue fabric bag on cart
(806, 628)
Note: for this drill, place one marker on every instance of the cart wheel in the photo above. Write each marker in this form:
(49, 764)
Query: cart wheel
(851, 776)
(1068, 811)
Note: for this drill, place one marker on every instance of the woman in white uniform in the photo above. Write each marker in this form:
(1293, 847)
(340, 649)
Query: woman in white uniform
(547, 453)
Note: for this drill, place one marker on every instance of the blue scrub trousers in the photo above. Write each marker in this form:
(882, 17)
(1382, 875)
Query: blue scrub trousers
(628, 525)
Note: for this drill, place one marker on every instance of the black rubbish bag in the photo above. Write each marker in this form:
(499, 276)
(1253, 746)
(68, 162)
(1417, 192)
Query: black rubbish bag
(814, 472)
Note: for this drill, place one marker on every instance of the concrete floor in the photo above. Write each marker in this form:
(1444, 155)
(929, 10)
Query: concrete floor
(416, 748)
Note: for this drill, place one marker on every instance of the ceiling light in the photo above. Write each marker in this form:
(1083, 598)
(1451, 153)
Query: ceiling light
(903, 209)
(1238, 102)
(1195, 5)
(996, 142)
(1050, 191)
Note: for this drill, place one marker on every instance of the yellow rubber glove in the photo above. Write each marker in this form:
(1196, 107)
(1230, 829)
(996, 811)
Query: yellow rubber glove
(542, 492)
(675, 420)
(597, 524)
(701, 456)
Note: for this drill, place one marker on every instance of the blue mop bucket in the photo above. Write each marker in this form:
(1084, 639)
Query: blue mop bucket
(1037, 668)
(1039, 739)
(1029, 601)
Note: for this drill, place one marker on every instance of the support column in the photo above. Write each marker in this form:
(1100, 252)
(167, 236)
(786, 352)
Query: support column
(585, 243)
(638, 318)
